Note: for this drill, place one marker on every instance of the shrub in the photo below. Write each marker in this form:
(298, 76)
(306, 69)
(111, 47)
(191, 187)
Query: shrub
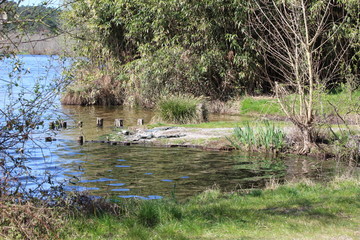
(176, 70)
(181, 109)
(29, 220)
(93, 87)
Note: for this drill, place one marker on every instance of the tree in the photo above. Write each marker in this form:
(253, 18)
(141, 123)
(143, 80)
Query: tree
(22, 110)
(172, 46)
(295, 36)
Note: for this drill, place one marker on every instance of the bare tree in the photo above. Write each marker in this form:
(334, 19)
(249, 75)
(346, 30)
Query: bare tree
(23, 110)
(293, 35)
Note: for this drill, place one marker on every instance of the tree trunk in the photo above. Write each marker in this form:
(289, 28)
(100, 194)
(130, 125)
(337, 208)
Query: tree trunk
(308, 140)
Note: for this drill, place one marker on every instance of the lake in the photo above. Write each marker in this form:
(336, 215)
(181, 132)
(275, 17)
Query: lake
(137, 171)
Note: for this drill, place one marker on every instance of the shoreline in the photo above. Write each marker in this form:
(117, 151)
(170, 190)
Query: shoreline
(211, 139)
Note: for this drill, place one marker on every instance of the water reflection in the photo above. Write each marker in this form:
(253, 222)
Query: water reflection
(150, 172)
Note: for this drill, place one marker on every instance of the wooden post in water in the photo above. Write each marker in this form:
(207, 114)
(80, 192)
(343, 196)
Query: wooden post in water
(64, 124)
(140, 122)
(119, 123)
(99, 122)
(52, 125)
(80, 140)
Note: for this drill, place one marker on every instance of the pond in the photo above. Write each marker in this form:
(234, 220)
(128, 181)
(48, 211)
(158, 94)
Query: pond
(151, 172)
(142, 171)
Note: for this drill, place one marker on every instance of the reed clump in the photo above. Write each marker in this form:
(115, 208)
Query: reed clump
(181, 109)
(266, 137)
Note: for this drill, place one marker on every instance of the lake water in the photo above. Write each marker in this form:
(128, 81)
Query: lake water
(142, 172)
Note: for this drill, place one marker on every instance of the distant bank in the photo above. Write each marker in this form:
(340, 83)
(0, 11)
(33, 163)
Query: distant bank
(37, 44)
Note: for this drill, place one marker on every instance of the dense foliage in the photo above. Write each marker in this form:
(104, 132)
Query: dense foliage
(167, 46)
(208, 47)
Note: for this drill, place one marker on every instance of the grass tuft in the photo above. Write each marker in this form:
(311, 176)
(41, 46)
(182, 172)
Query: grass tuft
(149, 214)
(181, 109)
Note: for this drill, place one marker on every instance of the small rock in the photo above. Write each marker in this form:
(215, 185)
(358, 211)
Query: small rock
(146, 136)
(125, 132)
(171, 136)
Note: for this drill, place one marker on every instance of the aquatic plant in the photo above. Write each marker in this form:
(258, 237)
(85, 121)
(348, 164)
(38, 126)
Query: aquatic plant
(181, 109)
(267, 136)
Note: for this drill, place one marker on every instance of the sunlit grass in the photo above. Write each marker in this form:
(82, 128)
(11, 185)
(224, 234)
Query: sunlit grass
(262, 106)
(222, 124)
(294, 211)
(344, 102)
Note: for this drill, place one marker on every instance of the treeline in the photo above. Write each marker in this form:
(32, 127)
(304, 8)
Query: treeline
(139, 50)
(32, 19)
(30, 29)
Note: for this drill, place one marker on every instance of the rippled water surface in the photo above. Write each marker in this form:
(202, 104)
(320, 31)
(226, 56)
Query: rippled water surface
(151, 172)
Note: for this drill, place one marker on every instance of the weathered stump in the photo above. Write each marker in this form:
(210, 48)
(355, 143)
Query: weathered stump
(48, 139)
(99, 122)
(140, 122)
(80, 140)
(119, 123)
(52, 125)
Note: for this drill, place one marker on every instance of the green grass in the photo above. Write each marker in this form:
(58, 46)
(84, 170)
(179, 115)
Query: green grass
(262, 106)
(180, 109)
(293, 211)
(221, 124)
(344, 102)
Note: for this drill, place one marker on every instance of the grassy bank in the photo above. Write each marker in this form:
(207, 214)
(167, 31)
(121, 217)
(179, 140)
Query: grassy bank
(345, 102)
(293, 211)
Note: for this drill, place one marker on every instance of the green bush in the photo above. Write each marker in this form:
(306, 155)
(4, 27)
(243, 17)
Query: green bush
(181, 109)
(176, 70)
